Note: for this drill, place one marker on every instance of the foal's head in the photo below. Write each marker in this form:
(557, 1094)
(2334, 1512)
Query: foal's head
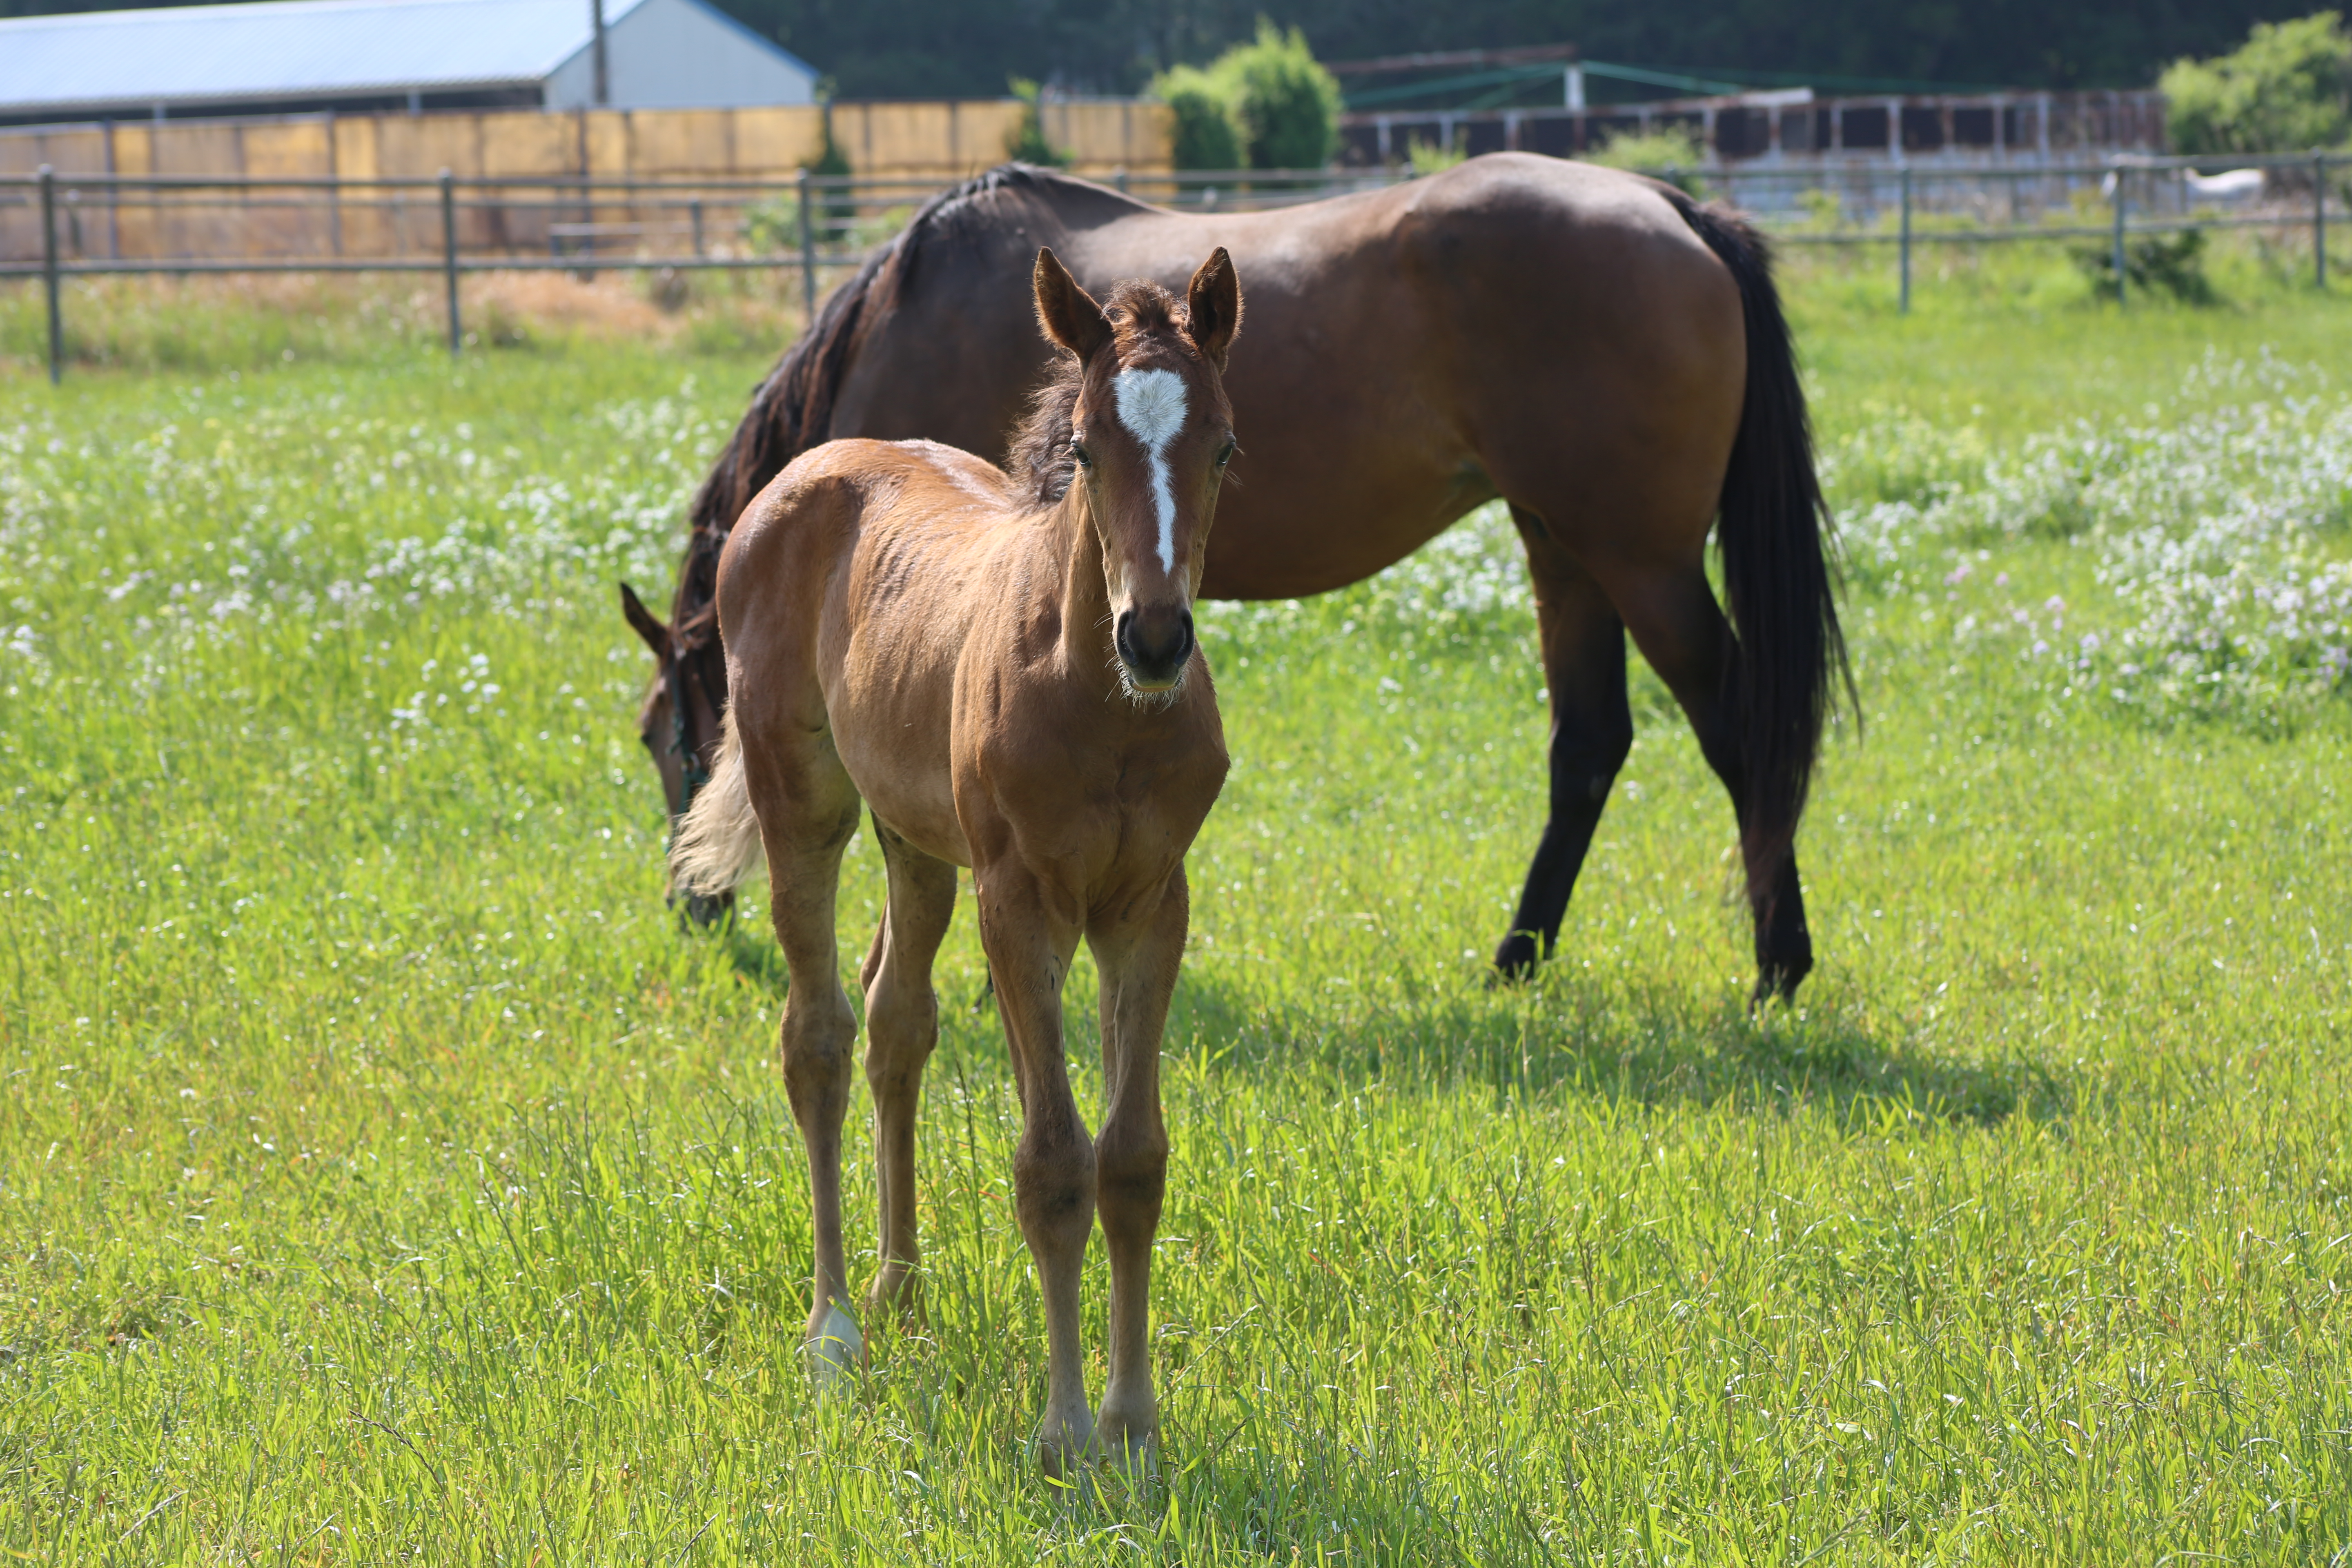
(1149, 433)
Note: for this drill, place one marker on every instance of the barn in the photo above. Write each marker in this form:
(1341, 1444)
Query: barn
(304, 57)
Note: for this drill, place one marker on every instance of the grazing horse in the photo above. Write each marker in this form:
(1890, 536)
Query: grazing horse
(1006, 674)
(1599, 351)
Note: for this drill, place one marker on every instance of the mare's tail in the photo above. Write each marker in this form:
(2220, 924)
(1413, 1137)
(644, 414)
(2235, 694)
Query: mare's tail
(1776, 535)
(717, 847)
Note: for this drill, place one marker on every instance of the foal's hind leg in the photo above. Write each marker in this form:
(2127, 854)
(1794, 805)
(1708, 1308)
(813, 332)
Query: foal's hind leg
(902, 1028)
(1681, 631)
(808, 812)
(1583, 648)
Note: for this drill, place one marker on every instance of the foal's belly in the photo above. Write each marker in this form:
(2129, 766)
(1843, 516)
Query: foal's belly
(898, 758)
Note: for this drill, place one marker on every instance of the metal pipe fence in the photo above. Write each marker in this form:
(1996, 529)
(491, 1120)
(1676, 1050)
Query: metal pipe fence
(812, 225)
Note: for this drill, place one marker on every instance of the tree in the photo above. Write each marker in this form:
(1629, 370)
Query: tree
(2288, 87)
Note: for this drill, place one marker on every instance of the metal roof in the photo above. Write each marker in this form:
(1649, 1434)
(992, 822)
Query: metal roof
(281, 48)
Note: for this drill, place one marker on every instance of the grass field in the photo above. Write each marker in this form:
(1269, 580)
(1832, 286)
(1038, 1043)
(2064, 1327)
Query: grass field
(386, 1177)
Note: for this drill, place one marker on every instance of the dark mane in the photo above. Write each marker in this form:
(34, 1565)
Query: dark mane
(792, 409)
(1042, 464)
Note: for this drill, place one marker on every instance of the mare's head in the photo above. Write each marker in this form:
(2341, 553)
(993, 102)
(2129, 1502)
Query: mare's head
(1145, 433)
(678, 720)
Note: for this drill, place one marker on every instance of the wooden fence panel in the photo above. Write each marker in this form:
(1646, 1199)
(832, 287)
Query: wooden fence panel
(923, 140)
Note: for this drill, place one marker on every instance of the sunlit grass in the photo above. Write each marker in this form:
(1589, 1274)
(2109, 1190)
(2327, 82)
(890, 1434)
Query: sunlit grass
(385, 1176)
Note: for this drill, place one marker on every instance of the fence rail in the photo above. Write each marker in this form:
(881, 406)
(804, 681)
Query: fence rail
(814, 223)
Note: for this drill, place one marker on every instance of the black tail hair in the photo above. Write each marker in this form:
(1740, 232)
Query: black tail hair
(1779, 570)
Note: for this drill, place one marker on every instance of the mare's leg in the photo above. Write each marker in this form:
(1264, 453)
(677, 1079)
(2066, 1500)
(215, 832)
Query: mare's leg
(902, 1027)
(1138, 967)
(808, 811)
(1583, 650)
(1680, 630)
(1029, 931)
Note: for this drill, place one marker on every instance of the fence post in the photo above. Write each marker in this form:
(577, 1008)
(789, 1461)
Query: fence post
(808, 256)
(1904, 246)
(694, 208)
(449, 258)
(2123, 280)
(50, 271)
(2319, 219)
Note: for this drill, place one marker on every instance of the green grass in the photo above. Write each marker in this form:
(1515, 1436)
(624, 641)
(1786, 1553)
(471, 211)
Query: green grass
(386, 1176)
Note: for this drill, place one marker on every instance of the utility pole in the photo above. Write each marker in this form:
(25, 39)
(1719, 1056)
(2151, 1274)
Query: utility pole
(604, 66)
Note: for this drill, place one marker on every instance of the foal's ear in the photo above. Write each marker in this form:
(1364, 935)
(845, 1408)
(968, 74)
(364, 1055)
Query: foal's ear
(1212, 306)
(1068, 312)
(642, 621)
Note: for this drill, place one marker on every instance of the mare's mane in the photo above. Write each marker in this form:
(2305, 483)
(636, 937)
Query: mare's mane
(1042, 461)
(792, 409)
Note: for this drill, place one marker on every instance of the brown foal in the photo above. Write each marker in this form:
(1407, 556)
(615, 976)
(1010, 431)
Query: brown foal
(1004, 673)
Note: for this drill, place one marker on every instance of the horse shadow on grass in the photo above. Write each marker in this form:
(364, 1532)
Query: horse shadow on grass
(1641, 1042)
(1568, 1032)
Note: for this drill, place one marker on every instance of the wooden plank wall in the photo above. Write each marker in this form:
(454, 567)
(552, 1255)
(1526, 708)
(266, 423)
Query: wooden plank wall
(940, 141)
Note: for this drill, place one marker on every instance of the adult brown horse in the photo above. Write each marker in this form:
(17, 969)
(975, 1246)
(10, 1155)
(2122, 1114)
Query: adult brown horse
(1594, 348)
(1005, 673)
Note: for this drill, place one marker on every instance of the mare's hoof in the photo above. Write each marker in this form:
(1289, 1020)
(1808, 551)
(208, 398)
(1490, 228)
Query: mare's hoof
(835, 1350)
(1515, 959)
(704, 910)
(1777, 982)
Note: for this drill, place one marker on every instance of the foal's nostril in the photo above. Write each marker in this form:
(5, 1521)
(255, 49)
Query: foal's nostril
(1154, 641)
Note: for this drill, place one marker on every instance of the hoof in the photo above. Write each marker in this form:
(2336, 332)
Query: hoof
(1130, 1448)
(701, 911)
(835, 1350)
(895, 1292)
(1066, 1445)
(1777, 982)
(1515, 959)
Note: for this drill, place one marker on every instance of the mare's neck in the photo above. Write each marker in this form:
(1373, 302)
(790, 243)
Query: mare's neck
(1085, 600)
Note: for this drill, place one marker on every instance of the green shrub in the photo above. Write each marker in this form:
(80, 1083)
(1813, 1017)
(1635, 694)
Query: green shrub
(2173, 264)
(1027, 143)
(1668, 147)
(1207, 134)
(2288, 87)
(1263, 105)
(1428, 157)
(1288, 106)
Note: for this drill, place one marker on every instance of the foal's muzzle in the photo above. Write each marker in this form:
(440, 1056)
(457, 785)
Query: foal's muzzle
(1153, 643)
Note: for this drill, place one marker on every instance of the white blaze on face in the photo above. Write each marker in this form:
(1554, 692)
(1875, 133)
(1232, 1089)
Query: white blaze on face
(1152, 407)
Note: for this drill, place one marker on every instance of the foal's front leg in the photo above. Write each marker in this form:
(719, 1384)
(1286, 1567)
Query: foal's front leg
(1030, 931)
(1138, 968)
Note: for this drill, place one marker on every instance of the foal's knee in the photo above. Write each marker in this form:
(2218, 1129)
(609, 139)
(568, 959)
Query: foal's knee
(902, 1028)
(1054, 1183)
(1130, 1179)
(818, 1034)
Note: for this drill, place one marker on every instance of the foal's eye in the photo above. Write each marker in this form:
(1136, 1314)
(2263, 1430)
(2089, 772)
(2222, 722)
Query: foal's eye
(1085, 459)
(1226, 453)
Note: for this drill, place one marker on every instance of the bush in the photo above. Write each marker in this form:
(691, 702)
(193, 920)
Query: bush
(1265, 105)
(1208, 136)
(1288, 106)
(1027, 142)
(1428, 157)
(1670, 147)
(2171, 263)
(2287, 89)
